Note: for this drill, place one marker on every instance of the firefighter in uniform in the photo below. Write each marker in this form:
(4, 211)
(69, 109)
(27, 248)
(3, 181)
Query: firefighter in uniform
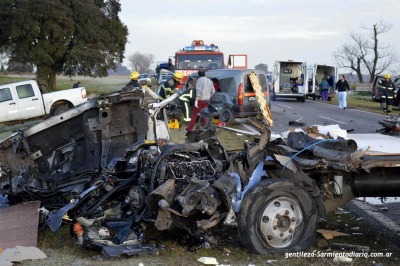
(188, 98)
(168, 88)
(134, 80)
(387, 94)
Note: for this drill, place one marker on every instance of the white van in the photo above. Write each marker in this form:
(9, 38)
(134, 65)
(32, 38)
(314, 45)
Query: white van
(289, 80)
(316, 73)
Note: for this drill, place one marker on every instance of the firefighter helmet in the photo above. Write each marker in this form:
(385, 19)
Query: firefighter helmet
(134, 75)
(387, 76)
(178, 76)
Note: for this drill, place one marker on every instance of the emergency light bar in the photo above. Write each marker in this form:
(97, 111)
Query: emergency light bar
(200, 48)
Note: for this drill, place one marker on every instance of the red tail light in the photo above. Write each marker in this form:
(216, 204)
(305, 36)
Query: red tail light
(240, 94)
(83, 93)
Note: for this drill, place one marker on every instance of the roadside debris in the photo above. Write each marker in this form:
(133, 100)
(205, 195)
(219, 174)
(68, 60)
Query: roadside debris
(208, 260)
(297, 123)
(19, 254)
(329, 234)
(357, 248)
(4, 201)
(342, 259)
(19, 225)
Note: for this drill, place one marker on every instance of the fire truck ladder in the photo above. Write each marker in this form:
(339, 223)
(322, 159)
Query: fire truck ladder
(255, 82)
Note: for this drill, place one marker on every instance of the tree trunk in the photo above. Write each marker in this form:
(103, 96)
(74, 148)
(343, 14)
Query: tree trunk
(47, 77)
(52, 80)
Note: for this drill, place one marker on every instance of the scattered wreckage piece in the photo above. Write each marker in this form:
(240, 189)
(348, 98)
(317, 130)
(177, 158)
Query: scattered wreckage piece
(19, 225)
(107, 169)
(20, 253)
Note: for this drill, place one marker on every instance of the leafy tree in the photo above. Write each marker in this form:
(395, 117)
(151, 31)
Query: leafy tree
(141, 62)
(71, 37)
(262, 67)
(366, 54)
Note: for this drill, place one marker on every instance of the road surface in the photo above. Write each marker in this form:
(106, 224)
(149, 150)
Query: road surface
(319, 113)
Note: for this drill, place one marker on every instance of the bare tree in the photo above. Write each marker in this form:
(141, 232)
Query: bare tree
(262, 67)
(141, 62)
(365, 54)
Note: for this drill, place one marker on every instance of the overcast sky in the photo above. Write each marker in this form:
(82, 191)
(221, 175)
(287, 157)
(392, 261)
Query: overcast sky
(266, 30)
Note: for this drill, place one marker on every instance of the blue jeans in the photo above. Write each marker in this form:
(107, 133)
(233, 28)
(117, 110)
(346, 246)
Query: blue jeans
(324, 95)
(342, 99)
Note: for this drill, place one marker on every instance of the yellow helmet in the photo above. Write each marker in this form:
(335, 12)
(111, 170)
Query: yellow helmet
(387, 76)
(178, 76)
(134, 75)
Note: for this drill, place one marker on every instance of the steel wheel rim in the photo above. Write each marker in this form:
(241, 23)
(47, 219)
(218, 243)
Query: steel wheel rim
(279, 221)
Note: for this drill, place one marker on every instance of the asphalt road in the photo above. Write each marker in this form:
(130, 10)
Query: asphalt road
(320, 113)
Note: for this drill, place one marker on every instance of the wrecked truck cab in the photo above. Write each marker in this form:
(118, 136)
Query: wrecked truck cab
(70, 147)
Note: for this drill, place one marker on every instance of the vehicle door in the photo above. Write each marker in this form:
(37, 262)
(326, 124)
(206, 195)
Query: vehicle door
(225, 93)
(264, 85)
(276, 81)
(314, 81)
(302, 87)
(8, 104)
(30, 102)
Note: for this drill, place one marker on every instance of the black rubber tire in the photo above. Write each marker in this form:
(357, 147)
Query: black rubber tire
(303, 99)
(60, 109)
(227, 116)
(258, 199)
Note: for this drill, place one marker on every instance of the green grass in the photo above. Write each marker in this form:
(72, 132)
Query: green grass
(11, 79)
(94, 86)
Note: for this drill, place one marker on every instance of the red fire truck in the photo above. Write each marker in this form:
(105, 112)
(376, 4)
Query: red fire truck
(198, 56)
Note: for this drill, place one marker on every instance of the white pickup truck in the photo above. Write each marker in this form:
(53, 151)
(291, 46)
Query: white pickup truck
(25, 99)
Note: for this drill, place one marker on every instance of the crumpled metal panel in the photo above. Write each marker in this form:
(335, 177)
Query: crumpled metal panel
(86, 138)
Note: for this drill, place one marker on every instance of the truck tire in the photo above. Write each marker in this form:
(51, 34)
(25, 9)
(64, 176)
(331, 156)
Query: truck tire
(278, 216)
(60, 109)
(226, 116)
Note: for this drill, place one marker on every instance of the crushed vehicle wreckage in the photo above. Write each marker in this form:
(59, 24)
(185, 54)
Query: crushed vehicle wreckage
(106, 168)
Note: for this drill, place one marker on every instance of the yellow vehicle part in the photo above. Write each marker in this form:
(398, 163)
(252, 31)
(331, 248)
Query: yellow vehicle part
(255, 82)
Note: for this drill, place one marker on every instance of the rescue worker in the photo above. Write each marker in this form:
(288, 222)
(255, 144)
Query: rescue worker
(387, 94)
(204, 90)
(168, 88)
(134, 80)
(188, 98)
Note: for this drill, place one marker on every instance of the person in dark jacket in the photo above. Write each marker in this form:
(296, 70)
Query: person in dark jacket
(169, 87)
(77, 85)
(134, 80)
(342, 86)
(387, 94)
